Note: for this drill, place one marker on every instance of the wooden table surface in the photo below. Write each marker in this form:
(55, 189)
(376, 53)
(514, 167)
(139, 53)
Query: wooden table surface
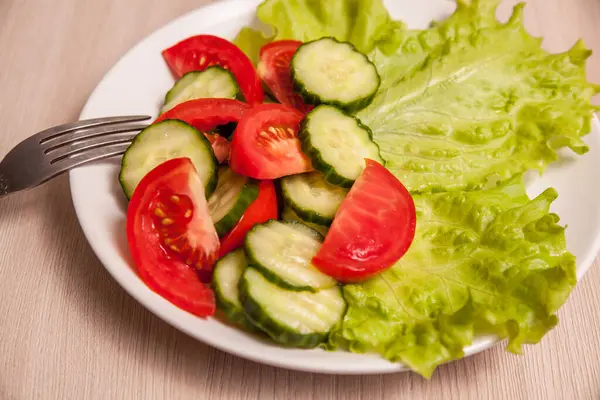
(68, 331)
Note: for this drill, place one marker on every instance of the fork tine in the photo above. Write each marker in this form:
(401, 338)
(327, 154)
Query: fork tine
(86, 157)
(60, 141)
(56, 131)
(86, 145)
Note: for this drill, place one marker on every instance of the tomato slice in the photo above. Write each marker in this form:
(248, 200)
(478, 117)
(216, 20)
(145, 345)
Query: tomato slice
(220, 146)
(207, 114)
(274, 70)
(373, 228)
(261, 210)
(265, 144)
(197, 53)
(171, 235)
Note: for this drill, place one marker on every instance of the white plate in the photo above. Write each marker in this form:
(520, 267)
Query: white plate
(137, 84)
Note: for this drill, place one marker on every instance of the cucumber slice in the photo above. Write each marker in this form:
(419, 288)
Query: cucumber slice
(312, 198)
(282, 251)
(164, 141)
(230, 200)
(289, 215)
(337, 144)
(301, 319)
(326, 71)
(226, 278)
(213, 82)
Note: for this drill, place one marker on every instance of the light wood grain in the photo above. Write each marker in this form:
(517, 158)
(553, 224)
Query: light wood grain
(68, 331)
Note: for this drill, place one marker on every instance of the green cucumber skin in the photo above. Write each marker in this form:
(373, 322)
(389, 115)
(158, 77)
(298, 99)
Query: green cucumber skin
(192, 74)
(121, 179)
(279, 333)
(188, 76)
(232, 311)
(329, 173)
(267, 273)
(309, 215)
(209, 187)
(313, 98)
(305, 214)
(272, 277)
(247, 195)
(288, 214)
(234, 314)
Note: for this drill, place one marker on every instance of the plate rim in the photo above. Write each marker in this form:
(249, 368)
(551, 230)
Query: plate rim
(165, 314)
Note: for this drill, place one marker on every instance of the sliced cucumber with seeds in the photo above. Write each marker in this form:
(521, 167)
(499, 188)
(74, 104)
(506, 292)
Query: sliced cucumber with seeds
(164, 141)
(312, 198)
(337, 144)
(289, 215)
(225, 282)
(283, 250)
(213, 82)
(300, 319)
(230, 200)
(327, 71)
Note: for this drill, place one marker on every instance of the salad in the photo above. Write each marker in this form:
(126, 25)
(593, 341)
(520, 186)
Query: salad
(352, 184)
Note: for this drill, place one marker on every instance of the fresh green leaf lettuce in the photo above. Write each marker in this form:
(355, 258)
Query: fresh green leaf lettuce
(462, 102)
(486, 100)
(362, 22)
(489, 261)
(251, 41)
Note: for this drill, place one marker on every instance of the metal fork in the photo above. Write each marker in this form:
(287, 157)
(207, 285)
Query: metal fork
(49, 153)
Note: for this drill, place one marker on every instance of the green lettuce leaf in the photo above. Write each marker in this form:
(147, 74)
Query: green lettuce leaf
(250, 41)
(398, 57)
(472, 99)
(489, 261)
(361, 22)
(466, 101)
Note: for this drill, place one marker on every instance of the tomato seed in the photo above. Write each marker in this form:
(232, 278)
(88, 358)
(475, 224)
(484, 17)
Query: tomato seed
(172, 213)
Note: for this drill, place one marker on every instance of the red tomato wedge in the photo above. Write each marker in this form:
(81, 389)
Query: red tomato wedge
(197, 53)
(373, 228)
(265, 144)
(171, 235)
(220, 146)
(274, 70)
(207, 114)
(261, 210)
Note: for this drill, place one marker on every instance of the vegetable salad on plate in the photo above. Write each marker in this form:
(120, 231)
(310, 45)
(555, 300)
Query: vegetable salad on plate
(349, 183)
